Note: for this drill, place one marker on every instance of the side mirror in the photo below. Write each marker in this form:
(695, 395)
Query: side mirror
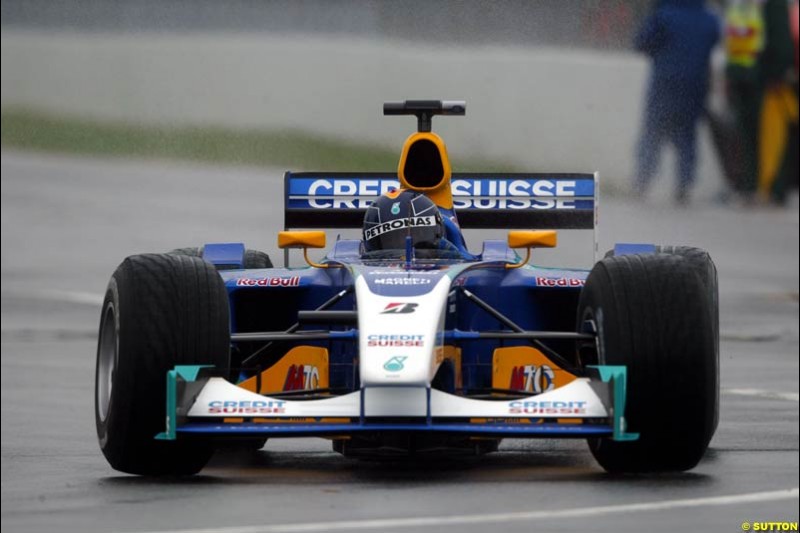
(304, 240)
(301, 239)
(530, 239)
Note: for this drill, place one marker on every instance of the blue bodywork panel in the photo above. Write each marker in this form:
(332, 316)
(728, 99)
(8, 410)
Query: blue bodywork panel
(623, 248)
(534, 298)
(225, 254)
(498, 251)
(346, 251)
(268, 300)
(549, 429)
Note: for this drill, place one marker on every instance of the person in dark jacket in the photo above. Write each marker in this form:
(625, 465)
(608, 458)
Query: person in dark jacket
(678, 36)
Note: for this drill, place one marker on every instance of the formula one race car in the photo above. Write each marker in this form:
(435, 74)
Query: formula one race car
(404, 341)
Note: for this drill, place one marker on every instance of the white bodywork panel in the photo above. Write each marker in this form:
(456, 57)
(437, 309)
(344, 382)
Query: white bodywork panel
(417, 330)
(574, 400)
(395, 401)
(221, 399)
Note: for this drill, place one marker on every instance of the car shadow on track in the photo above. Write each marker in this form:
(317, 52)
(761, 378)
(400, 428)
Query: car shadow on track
(322, 468)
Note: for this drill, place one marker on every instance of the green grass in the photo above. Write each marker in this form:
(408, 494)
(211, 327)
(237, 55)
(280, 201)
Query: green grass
(295, 150)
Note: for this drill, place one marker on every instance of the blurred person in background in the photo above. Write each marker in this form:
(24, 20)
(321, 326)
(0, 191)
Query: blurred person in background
(762, 94)
(794, 23)
(777, 144)
(744, 42)
(679, 36)
(793, 167)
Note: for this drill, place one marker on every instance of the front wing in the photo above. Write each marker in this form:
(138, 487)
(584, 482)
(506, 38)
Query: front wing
(199, 404)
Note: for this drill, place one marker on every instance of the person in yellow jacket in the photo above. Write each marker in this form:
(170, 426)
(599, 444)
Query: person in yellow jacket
(778, 126)
(759, 62)
(744, 42)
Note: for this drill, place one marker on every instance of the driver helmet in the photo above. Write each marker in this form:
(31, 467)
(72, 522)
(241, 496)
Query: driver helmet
(399, 214)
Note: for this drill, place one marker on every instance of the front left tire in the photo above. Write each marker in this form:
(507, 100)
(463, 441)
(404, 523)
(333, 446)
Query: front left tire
(651, 314)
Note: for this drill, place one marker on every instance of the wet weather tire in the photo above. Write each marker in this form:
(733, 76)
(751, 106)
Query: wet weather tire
(252, 258)
(159, 311)
(651, 313)
(704, 266)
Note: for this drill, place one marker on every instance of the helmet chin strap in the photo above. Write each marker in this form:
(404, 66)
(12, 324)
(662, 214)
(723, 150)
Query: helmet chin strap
(409, 240)
(409, 251)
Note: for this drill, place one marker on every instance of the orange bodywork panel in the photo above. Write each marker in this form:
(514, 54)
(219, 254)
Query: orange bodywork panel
(453, 354)
(425, 167)
(532, 239)
(302, 368)
(307, 420)
(301, 239)
(525, 368)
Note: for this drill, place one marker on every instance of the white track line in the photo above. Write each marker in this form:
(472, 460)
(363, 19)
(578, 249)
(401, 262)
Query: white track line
(55, 295)
(789, 396)
(78, 297)
(499, 518)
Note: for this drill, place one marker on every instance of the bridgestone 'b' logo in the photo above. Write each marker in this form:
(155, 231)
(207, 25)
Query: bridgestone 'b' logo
(399, 309)
(398, 223)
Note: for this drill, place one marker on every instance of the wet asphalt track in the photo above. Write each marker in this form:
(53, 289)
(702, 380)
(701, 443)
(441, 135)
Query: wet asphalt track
(66, 224)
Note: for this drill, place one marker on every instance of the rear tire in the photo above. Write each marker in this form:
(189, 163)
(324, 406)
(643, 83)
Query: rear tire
(159, 311)
(652, 315)
(252, 258)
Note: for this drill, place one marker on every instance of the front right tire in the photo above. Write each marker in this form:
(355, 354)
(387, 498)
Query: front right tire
(159, 311)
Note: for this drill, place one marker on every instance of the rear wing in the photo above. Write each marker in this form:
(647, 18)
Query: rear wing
(332, 200)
